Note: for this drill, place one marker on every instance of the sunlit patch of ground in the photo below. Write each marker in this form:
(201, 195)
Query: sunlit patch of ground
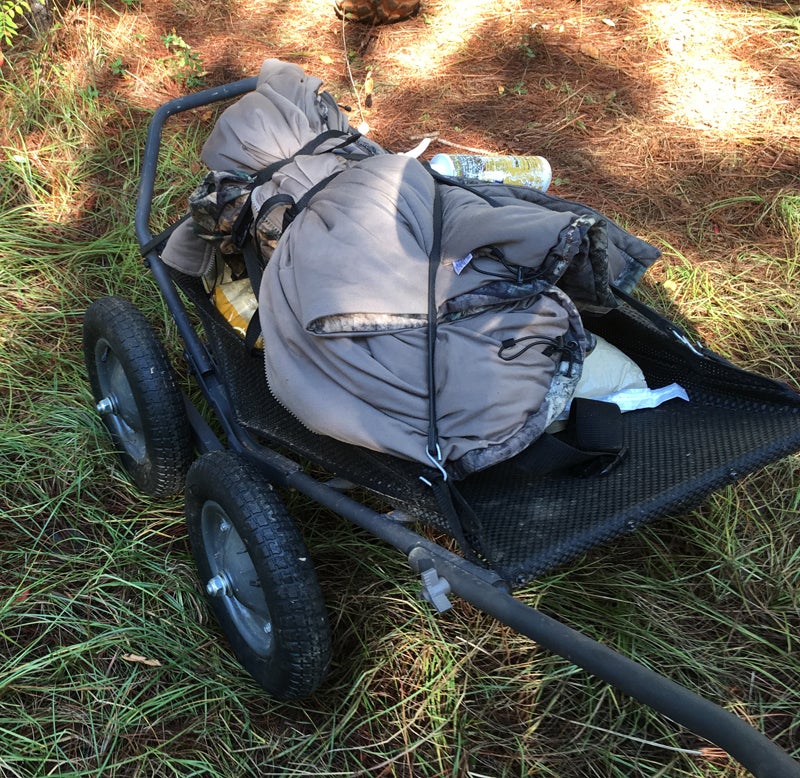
(450, 32)
(707, 83)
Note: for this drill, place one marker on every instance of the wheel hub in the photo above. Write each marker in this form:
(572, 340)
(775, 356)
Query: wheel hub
(219, 585)
(107, 405)
(234, 582)
(117, 405)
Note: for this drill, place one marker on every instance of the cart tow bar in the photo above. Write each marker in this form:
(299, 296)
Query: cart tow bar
(443, 572)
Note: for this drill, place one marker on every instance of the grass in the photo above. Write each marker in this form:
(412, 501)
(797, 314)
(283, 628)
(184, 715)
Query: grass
(110, 664)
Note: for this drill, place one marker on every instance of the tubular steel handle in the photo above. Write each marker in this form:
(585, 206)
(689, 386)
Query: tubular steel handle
(144, 200)
(751, 748)
(196, 353)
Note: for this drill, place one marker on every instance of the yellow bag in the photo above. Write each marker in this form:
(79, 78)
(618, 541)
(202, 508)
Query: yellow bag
(233, 298)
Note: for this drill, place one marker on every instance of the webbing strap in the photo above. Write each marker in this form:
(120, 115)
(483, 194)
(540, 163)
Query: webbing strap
(295, 208)
(252, 333)
(463, 523)
(241, 226)
(273, 202)
(591, 444)
(265, 174)
(255, 270)
(434, 260)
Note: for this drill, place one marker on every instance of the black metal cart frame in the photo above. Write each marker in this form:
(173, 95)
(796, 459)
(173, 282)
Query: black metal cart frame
(443, 573)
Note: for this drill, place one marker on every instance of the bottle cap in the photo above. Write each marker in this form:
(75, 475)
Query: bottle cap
(443, 165)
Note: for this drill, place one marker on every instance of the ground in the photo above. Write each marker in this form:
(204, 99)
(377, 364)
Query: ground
(680, 119)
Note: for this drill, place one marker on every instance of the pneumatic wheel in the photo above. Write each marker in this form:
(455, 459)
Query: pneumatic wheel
(255, 567)
(137, 395)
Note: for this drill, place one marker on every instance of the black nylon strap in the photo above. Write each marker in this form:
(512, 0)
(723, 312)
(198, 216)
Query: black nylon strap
(462, 520)
(435, 259)
(265, 174)
(596, 425)
(162, 237)
(242, 224)
(592, 443)
(266, 207)
(273, 202)
(255, 271)
(294, 209)
(252, 333)
(252, 263)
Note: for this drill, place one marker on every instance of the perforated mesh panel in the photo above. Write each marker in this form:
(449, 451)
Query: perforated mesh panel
(735, 423)
(678, 454)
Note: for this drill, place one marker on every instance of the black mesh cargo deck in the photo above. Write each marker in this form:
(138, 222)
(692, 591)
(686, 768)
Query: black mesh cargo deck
(735, 423)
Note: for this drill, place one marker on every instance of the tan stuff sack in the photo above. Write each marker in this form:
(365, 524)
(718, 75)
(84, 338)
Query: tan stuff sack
(376, 11)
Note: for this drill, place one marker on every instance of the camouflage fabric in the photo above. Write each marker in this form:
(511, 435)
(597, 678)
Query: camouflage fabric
(376, 11)
(216, 203)
(267, 230)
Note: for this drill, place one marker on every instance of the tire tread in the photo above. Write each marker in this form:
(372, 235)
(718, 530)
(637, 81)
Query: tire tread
(154, 384)
(280, 556)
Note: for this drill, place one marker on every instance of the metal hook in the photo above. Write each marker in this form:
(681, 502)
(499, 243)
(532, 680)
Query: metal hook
(437, 460)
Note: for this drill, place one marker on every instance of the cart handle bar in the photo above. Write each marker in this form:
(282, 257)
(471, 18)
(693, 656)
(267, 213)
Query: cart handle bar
(144, 200)
(751, 748)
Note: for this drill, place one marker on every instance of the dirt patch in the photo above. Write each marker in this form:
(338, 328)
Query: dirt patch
(651, 112)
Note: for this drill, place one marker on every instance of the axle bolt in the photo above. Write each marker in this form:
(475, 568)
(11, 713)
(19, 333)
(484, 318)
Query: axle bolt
(106, 406)
(218, 586)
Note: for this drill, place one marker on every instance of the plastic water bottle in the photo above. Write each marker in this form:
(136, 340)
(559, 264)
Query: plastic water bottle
(533, 172)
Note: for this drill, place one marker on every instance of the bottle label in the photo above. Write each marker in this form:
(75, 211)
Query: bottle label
(533, 172)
